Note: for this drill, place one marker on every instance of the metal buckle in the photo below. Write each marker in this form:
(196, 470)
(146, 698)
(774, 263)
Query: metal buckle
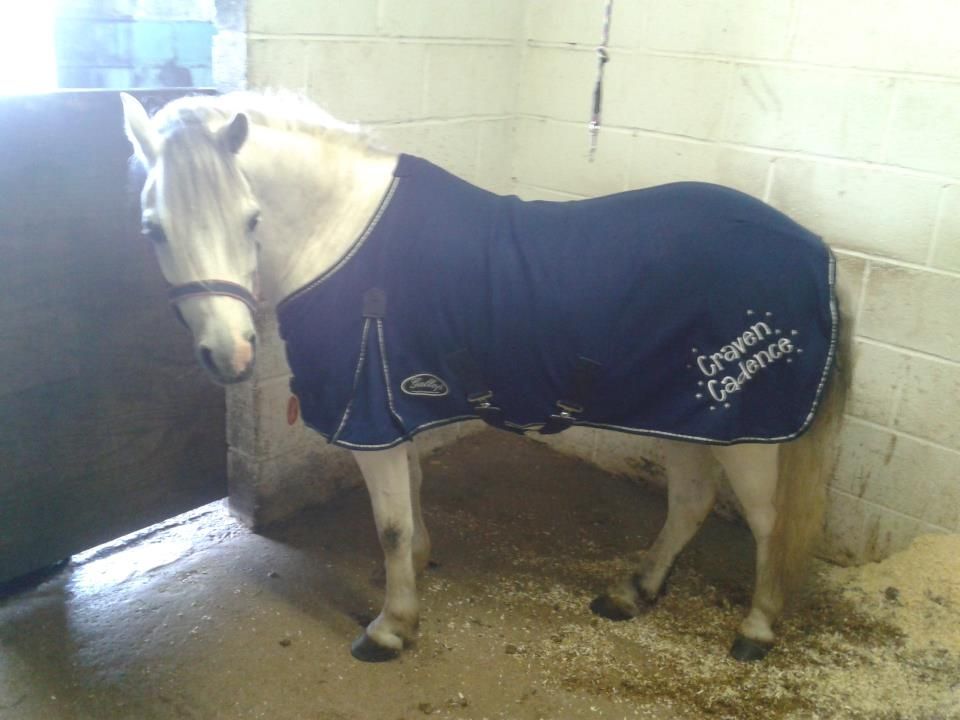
(569, 408)
(489, 413)
(558, 422)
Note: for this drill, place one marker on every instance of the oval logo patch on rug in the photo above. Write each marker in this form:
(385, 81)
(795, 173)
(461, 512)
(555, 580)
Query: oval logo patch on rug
(424, 384)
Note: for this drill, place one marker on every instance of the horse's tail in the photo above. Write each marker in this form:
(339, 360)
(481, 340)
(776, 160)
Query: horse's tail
(806, 466)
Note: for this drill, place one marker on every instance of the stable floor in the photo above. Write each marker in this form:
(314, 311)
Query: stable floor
(203, 619)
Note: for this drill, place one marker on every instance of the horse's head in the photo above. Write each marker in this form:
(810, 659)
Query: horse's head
(199, 213)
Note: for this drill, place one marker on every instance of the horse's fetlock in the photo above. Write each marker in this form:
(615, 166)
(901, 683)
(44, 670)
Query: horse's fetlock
(393, 631)
(385, 639)
(644, 594)
(401, 619)
(757, 627)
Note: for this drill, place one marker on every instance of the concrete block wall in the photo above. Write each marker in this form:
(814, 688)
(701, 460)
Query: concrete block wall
(844, 115)
(435, 83)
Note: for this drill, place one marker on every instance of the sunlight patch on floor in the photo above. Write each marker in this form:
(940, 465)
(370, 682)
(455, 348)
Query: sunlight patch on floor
(145, 550)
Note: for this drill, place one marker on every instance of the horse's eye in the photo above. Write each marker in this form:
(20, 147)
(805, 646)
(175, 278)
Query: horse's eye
(253, 222)
(154, 232)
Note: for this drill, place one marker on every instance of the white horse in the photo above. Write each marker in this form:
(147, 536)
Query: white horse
(250, 198)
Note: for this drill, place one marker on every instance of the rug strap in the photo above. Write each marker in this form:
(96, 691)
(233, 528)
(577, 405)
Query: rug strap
(374, 311)
(479, 394)
(584, 375)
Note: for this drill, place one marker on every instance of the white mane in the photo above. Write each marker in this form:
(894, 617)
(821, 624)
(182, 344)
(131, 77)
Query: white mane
(278, 110)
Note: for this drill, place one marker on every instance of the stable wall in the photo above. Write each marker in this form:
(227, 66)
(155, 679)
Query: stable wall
(436, 84)
(843, 117)
(439, 84)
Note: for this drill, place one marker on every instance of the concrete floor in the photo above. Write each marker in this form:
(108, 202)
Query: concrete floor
(203, 619)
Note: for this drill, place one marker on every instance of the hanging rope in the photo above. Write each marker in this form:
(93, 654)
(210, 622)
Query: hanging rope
(603, 57)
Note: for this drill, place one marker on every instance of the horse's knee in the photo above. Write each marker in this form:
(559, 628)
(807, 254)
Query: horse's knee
(391, 538)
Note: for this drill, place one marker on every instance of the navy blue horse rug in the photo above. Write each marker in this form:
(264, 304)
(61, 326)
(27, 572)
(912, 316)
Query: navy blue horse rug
(686, 311)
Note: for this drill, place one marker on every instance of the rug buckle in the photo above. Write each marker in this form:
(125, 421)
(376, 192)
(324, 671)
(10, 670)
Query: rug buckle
(485, 410)
(584, 375)
(558, 422)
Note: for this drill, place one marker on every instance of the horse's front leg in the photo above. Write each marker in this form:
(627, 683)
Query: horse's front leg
(387, 476)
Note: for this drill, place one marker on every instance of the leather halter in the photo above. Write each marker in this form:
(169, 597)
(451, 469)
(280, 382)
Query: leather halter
(200, 288)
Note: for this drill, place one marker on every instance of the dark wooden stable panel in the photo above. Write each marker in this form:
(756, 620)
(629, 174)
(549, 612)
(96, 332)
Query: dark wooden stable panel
(106, 422)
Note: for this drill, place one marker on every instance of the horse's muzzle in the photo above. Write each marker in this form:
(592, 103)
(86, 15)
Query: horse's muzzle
(229, 370)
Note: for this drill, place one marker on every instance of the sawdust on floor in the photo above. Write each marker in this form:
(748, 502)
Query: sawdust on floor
(855, 650)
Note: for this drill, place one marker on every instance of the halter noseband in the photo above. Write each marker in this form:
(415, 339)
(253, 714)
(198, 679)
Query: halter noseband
(210, 287)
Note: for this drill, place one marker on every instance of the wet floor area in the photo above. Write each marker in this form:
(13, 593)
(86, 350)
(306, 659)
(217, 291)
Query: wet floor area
(201, 618)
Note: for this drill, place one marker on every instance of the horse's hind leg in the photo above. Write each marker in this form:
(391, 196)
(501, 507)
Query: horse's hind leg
(387, 476)
(421, 538)
(752, 472)
(690, 495)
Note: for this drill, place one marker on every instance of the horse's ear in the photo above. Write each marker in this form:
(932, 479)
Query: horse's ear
(140, 133)
(234, 133)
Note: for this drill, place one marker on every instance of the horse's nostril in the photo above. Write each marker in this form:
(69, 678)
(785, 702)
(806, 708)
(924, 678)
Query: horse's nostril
(252, 339)
(206, 357)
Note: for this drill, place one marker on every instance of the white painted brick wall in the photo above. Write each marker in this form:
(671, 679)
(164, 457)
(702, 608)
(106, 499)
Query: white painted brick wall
(946, 242)
(725, 28)
(424, 77)
(845, 115)
(891, 36)
(772, 106)
(858, 207)
(320, 18)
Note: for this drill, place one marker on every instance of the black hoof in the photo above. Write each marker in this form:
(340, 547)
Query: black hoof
(605, 606)
(366, 650)
(746, 650)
